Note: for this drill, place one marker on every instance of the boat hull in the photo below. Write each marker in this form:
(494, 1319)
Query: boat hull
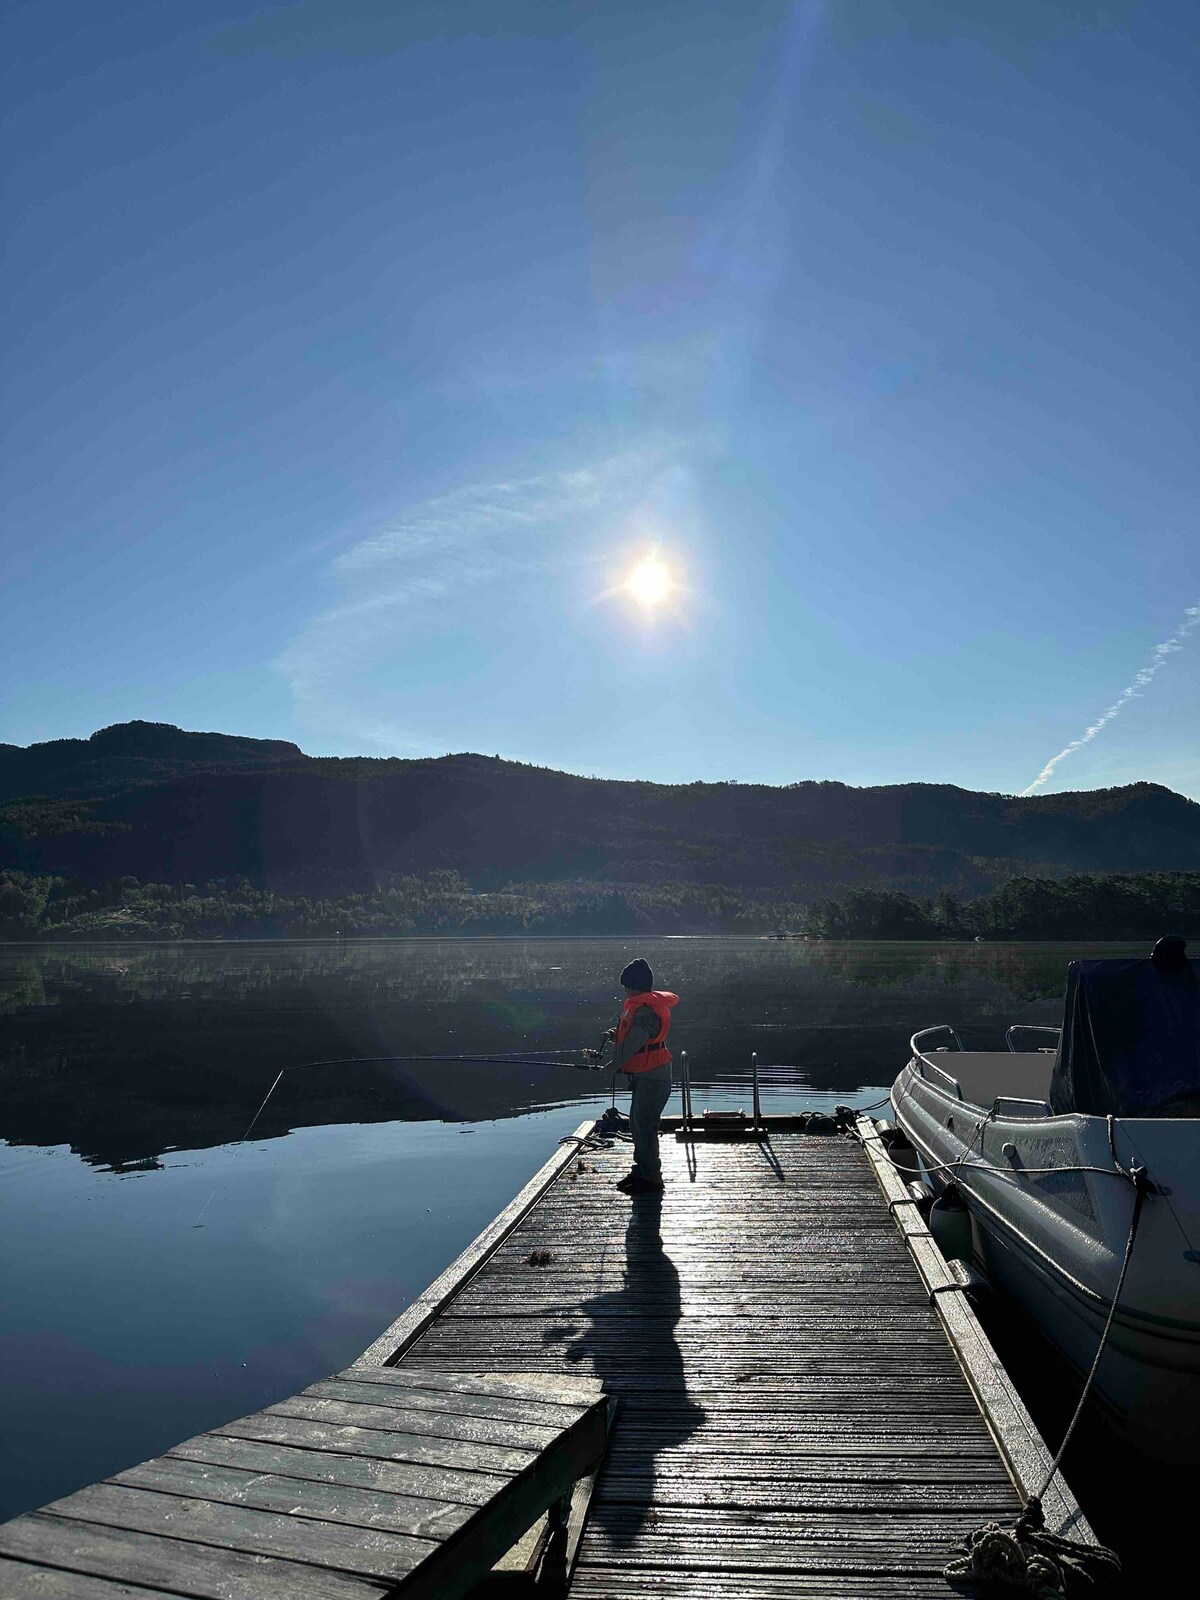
(1054, 1242)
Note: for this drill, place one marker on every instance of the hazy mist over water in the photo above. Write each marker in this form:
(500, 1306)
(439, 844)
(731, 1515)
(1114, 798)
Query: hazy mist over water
(162, 1278)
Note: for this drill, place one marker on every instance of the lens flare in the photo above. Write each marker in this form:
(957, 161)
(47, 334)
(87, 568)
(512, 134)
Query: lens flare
(649, 583)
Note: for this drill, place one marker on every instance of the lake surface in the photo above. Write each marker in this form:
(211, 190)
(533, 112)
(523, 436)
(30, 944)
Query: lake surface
(161, 1277)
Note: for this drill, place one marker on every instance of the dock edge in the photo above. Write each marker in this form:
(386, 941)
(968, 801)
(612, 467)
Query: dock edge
(1024, 1452)
(411, 1324)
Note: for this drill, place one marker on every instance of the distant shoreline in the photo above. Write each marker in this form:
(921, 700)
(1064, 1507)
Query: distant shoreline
(359, 941)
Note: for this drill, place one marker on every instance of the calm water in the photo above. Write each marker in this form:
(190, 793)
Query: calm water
(161, 1278)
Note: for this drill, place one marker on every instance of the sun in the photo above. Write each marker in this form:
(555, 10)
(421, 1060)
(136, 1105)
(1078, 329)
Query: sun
(650, 582)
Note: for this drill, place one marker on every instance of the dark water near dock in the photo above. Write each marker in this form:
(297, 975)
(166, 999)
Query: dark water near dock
(161, 1278)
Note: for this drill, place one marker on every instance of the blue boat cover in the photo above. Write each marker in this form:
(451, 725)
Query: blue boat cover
(1130, 1043)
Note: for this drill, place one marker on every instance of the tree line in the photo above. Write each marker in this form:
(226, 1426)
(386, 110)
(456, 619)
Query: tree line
(1083, 906)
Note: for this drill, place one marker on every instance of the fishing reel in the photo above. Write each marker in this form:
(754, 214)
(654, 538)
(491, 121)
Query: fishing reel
(596, 1056)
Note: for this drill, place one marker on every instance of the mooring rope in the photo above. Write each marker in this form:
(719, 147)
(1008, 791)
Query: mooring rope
(1137, 1176)
(1027, 1556)
(953, 1165)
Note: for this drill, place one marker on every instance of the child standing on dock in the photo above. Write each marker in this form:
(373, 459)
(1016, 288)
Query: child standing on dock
(639, 1043)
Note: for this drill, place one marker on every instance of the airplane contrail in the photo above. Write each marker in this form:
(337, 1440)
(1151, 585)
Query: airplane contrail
(1191, 619)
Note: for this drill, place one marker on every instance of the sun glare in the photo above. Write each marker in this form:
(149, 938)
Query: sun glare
(650, 582)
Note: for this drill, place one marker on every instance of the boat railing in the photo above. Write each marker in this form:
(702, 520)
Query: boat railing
(1031, 1027)
(923, 1061)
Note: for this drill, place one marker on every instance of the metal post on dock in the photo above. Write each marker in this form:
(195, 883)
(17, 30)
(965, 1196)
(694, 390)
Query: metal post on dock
(757, 1106)
(686, 1091)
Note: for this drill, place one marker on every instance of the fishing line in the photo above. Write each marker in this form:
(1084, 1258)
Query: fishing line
(511, 1059)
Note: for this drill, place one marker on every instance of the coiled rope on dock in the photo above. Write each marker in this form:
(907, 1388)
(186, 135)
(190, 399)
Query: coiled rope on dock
(1027, 1556)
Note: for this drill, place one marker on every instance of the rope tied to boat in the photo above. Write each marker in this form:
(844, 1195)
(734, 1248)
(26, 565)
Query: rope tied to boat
(1026, 1556)
(1140, 1180)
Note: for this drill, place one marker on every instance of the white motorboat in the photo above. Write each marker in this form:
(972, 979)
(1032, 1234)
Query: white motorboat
(1045, 1145)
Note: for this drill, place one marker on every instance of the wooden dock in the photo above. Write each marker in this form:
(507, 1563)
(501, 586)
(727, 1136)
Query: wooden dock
(806, 1406)
(798, 1413)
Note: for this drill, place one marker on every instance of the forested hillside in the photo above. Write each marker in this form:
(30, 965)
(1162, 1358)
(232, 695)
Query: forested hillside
(169, 817)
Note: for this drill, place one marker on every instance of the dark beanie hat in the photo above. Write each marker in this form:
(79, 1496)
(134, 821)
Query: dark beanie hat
(637, 975)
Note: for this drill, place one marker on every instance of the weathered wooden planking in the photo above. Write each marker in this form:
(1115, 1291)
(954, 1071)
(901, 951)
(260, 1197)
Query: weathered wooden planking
(367, 1552)
(20, 1581)
(538, 1391)
(687, 1580)
(315, 1422)
(511, 1441)
(327, 1466)
(329, 1502)
(786, 1485)
(794, 1420)
(172, 1566)
(418, 1502)
(378, 1386)
(365, 1444)
(743, 1539)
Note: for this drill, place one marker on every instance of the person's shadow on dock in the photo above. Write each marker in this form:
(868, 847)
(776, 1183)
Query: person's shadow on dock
(632, 1348)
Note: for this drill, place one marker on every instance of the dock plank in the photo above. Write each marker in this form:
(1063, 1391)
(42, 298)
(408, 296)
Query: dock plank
(443, 1442)
(362, 1551)
(294, 1422)
(173, 1566)
(428, 1520)
(380, 1450)
(360, 1404)
(20, 1581)
(445, 1487)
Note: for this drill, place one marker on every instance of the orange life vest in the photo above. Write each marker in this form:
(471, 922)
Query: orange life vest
(655, 1053)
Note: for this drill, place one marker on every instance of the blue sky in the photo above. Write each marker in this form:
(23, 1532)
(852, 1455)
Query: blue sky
(358, 351)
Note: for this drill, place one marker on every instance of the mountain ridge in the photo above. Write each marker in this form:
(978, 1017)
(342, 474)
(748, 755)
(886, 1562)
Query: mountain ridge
(162, 803)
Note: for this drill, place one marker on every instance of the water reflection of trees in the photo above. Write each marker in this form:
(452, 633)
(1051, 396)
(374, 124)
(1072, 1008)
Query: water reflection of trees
(1023, 973)
(858, 898)
(125, 1051)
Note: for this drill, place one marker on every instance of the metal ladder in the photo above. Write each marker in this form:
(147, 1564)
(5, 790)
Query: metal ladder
(709, 1117)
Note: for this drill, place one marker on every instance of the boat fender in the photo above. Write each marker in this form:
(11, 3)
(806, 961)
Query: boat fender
(950, 1224)
(922, 1193)
(818, 1122)
(897, 1144)
(970, 1279)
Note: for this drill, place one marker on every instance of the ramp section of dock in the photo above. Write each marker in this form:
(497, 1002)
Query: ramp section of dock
(371, 1483)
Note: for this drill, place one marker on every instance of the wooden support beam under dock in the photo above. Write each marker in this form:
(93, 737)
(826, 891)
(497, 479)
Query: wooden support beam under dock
(806, 1407)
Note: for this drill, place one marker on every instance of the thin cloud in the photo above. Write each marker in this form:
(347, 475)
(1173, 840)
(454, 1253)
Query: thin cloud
(412, 577)
(1191, 619)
